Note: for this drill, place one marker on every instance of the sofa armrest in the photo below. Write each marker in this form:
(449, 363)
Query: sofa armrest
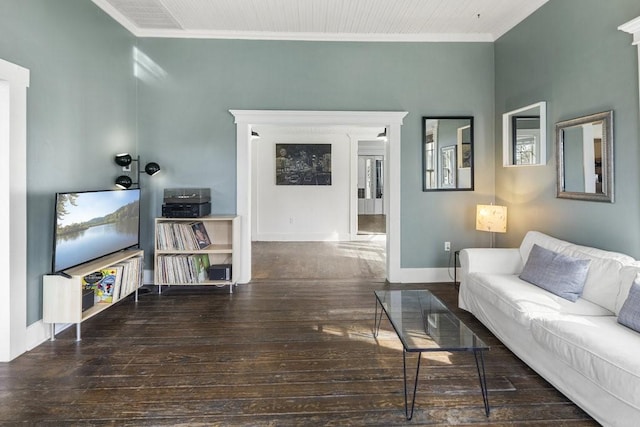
(490, 260)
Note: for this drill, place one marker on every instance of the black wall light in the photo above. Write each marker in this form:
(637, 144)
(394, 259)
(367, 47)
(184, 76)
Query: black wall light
(125, 160)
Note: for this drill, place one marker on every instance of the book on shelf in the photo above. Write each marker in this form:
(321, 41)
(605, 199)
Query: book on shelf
(183, 268)
(119, 280)
(182, 236)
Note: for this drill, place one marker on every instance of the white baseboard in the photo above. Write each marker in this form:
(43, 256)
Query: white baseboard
(37, 333)
(301, 237)
(427, 275)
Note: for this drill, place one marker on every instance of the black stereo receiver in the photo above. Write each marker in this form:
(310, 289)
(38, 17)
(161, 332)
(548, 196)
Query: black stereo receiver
(186, 210)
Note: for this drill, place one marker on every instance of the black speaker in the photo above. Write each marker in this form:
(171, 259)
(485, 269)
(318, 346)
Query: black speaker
(88, 298)
(220, 272)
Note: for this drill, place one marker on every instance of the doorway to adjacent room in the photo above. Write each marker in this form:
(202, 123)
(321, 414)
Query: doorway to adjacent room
(391, 121)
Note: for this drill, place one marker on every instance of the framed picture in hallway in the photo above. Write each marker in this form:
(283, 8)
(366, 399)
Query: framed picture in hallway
(303, 164)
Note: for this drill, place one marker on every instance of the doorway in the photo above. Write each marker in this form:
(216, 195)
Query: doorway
(392, 121)
(371, 215)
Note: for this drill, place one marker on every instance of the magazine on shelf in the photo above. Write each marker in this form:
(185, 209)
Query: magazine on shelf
(201, 235)
(202, 267)
(106, 285)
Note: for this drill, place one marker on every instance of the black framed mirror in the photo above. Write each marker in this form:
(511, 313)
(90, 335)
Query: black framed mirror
(447, 153)
(584, 158)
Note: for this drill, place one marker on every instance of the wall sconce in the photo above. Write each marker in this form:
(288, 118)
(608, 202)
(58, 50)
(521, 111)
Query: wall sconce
(254, 134)
(125, 160)
(152, 168)
(491, 218)
(383, 135)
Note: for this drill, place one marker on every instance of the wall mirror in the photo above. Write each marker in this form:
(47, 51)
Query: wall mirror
(584, 155)
(447, 153)
(524, 136)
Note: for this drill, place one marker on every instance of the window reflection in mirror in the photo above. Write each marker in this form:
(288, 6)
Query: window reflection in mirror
(524, 136)
(447, 153)
(584, 154)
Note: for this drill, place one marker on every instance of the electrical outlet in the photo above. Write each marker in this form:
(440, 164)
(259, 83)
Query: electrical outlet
(447, 246)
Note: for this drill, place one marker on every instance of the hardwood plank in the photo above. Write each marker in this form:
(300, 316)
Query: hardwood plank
(291, 352)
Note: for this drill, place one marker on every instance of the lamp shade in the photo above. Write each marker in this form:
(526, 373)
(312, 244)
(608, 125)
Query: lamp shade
(152, 168)
(124, 182)
(491, 218)
(123, 159)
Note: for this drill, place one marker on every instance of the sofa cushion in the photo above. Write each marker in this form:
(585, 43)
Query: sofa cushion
(596, 346)
(540, 239)
(603, 280)
(559, 274)
(628, 275)
(630, 312)
(521, 300)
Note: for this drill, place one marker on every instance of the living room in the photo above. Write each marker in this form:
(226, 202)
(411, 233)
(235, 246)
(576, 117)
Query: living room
(95, 89)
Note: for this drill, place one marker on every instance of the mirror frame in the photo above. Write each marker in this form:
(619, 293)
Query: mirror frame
(508, 132)
(607, 158)
(457, 156)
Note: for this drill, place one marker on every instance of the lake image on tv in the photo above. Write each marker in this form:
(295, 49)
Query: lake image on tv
(91, 225)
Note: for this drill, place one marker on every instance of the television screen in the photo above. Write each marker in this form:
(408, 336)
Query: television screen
(92, 224)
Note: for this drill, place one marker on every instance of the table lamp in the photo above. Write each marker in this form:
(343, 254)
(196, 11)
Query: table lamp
(491, 218)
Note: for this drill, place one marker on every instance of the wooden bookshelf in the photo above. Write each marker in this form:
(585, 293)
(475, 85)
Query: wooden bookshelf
(181, 260)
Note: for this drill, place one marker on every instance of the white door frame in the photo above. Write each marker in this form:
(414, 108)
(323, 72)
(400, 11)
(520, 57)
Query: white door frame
(392, 120)
(14, 81)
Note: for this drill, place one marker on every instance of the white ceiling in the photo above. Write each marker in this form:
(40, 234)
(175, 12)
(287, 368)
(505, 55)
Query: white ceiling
(338, 20)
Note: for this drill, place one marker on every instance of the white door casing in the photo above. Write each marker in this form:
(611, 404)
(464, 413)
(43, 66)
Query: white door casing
(14, 81)
(245, 119)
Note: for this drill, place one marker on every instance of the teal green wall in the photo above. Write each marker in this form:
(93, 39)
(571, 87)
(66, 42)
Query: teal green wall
(81, 109)
(570, 54)
(185, 124)
(85, 103)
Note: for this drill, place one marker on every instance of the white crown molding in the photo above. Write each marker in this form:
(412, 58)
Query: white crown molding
(336, 37)
(115, 14)
(283, 117)
(632, 27)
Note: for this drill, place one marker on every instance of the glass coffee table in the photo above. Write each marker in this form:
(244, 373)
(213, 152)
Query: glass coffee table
(424, 324)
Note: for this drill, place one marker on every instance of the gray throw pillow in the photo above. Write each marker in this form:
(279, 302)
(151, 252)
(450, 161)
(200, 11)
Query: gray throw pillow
(559, 274)
(629, 315)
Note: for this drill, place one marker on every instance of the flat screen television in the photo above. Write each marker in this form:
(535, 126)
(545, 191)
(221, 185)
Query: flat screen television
(91, 224)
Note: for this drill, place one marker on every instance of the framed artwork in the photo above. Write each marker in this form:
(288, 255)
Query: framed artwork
(303, 164)
(448, 167)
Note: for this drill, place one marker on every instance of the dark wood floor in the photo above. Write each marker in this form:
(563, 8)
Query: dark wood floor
(274, 353)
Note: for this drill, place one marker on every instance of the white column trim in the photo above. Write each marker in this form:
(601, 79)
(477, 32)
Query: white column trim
(633, 27)
(244, 119)
(13, 216)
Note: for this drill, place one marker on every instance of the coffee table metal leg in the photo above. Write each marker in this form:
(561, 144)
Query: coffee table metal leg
(377, 320)
(483, 379)
(409, 413)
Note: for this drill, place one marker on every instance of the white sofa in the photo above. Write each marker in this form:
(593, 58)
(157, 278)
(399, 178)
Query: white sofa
(577, 346)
